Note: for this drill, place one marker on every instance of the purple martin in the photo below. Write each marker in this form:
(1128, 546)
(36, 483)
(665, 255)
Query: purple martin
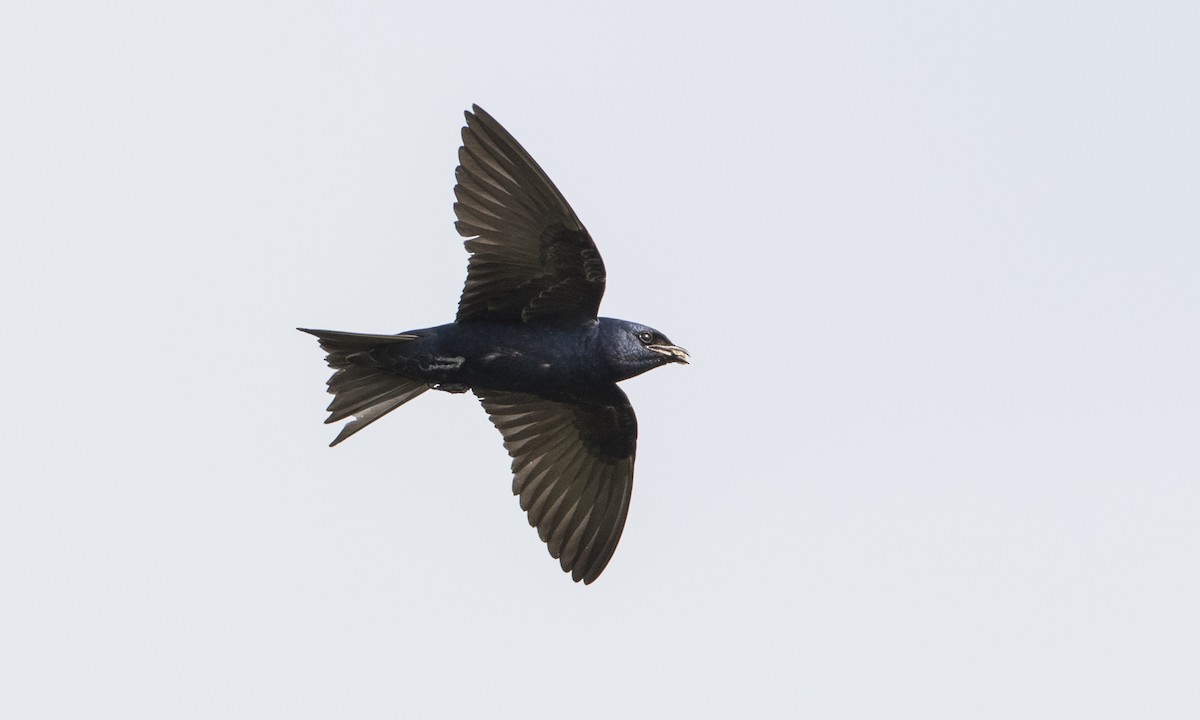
(528, 342)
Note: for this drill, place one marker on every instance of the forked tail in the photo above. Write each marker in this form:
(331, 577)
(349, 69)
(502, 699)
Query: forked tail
(360, 387)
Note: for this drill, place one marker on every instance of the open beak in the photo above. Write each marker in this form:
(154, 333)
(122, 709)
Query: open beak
(676, 353)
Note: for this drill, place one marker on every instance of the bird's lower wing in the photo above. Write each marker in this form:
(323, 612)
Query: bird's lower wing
(572, 468)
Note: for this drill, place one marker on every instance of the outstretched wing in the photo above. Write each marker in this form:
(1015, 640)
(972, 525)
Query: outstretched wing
(573, 469)
(531, 258)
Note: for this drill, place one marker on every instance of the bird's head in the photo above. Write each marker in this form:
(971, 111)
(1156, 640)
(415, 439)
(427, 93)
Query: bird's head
(631, 348)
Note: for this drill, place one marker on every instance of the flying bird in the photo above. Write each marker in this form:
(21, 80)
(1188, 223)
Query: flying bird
(528, 342)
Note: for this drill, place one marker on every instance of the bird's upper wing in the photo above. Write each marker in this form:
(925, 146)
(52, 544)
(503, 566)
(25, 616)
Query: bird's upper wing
(573, 469)
(531, 258)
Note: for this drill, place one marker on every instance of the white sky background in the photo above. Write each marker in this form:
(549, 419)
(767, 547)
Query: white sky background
(938, 455)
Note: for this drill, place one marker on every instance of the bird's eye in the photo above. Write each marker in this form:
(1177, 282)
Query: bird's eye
(646, 337)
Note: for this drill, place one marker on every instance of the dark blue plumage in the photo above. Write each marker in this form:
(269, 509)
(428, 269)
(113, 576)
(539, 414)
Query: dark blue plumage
(526, 358)
(527, 341)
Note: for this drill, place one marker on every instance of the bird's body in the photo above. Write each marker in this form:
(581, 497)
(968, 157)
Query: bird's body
(515, 356)
(527, 341)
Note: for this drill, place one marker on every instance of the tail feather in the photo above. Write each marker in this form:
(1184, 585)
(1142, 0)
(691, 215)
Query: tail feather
(360, 387)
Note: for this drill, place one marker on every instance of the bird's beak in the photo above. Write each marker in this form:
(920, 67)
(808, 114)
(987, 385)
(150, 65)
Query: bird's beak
(674, 352)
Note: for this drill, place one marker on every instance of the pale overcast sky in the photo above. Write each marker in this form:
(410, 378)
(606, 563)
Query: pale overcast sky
(937, 455)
